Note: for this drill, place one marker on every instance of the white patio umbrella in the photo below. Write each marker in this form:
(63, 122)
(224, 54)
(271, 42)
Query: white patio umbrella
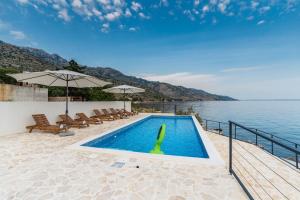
(124, 89)
(63, 78)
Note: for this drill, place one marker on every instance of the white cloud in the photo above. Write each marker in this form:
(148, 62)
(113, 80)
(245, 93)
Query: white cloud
(241, 69)
(250, 18)
(23, 1)
(254, 4)
(222, 7)
(77, 4)
(143, 16)
(63, 14)
(195, 10)
(117, 3)
(18, 35)
(132, 29)
(104, 2)
(112, 16)
(205, 8)
(61, 2)
(56, 6)
(122, 26)
(96, 12)
(105, 28)
(164, 3)
(189, 14)
(187, 79)
(136, 6)
(3, 25)
(261, 22)
(128, 13)
(264, 9)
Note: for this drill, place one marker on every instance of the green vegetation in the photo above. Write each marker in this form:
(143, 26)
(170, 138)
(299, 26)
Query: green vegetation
(7, 79)
(89, 94)
(190, 111)
(96, 94)
(75, 67)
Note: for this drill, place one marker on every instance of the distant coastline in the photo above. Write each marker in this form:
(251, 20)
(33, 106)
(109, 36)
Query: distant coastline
(269, 100)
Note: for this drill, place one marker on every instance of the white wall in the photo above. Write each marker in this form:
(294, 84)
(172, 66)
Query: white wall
(22, 93)
(15, 116)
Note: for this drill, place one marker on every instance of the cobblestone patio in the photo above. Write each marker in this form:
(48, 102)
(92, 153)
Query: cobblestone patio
(40, 166)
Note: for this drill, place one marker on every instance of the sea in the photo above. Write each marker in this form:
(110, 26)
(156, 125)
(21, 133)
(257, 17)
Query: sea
(277, 117)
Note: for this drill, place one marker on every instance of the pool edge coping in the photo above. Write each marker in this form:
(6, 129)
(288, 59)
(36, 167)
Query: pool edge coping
(214, 156)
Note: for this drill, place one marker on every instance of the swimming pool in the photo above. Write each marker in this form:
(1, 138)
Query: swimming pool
(182, 137)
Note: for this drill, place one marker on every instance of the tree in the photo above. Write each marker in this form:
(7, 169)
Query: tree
(56, 91)
(7, 79)
(90, 94)
(96, 94)
(74, 66)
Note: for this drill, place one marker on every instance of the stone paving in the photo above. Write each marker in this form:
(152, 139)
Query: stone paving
(40, 166)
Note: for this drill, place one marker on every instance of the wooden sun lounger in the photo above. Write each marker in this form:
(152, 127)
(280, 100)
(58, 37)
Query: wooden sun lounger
(127, 112)
(43, 124)
(88, 120)
(71, 123)
(118, 112)
(102, 116)
(115, 116)
(124, 113)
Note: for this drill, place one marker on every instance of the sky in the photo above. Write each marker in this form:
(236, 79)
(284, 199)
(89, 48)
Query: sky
(247, 49)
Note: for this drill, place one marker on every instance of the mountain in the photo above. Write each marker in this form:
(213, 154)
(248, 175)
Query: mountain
(28, 59)
(31, 59)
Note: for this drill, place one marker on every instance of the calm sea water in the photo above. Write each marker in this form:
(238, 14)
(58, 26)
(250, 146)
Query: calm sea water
(281, 118)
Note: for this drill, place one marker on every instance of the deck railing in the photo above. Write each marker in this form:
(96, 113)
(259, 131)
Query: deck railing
(232, 130)
(280, 147)
(244, 164)
(239, 171)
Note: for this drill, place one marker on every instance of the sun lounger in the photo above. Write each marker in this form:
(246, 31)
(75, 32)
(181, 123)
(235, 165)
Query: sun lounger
(127, 112)
(71, 123)
(115, 116)
(119, 113)
(88, 120)
(42, 123)
(102, 116)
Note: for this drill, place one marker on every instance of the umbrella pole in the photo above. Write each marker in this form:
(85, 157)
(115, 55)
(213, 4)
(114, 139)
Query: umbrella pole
(124, 100)
(67, 99)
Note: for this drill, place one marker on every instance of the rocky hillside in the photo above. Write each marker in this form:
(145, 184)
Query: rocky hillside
(30, 59)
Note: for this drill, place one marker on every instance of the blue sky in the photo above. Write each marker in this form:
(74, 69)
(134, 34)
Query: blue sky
(245, 49)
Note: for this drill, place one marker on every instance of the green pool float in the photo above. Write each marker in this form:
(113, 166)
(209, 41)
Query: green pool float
(160, 137)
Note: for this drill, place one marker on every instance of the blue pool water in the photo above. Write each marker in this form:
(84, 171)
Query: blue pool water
(182, 138)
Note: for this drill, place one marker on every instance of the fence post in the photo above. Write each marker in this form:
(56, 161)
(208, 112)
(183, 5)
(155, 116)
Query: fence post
(175, 109)
(234, 132)
(219, 128)
(297, 163)
(256, 140)
(272, 145)
(206, 125)
(230, 147)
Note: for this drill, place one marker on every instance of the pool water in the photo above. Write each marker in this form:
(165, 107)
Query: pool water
(181, 139)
